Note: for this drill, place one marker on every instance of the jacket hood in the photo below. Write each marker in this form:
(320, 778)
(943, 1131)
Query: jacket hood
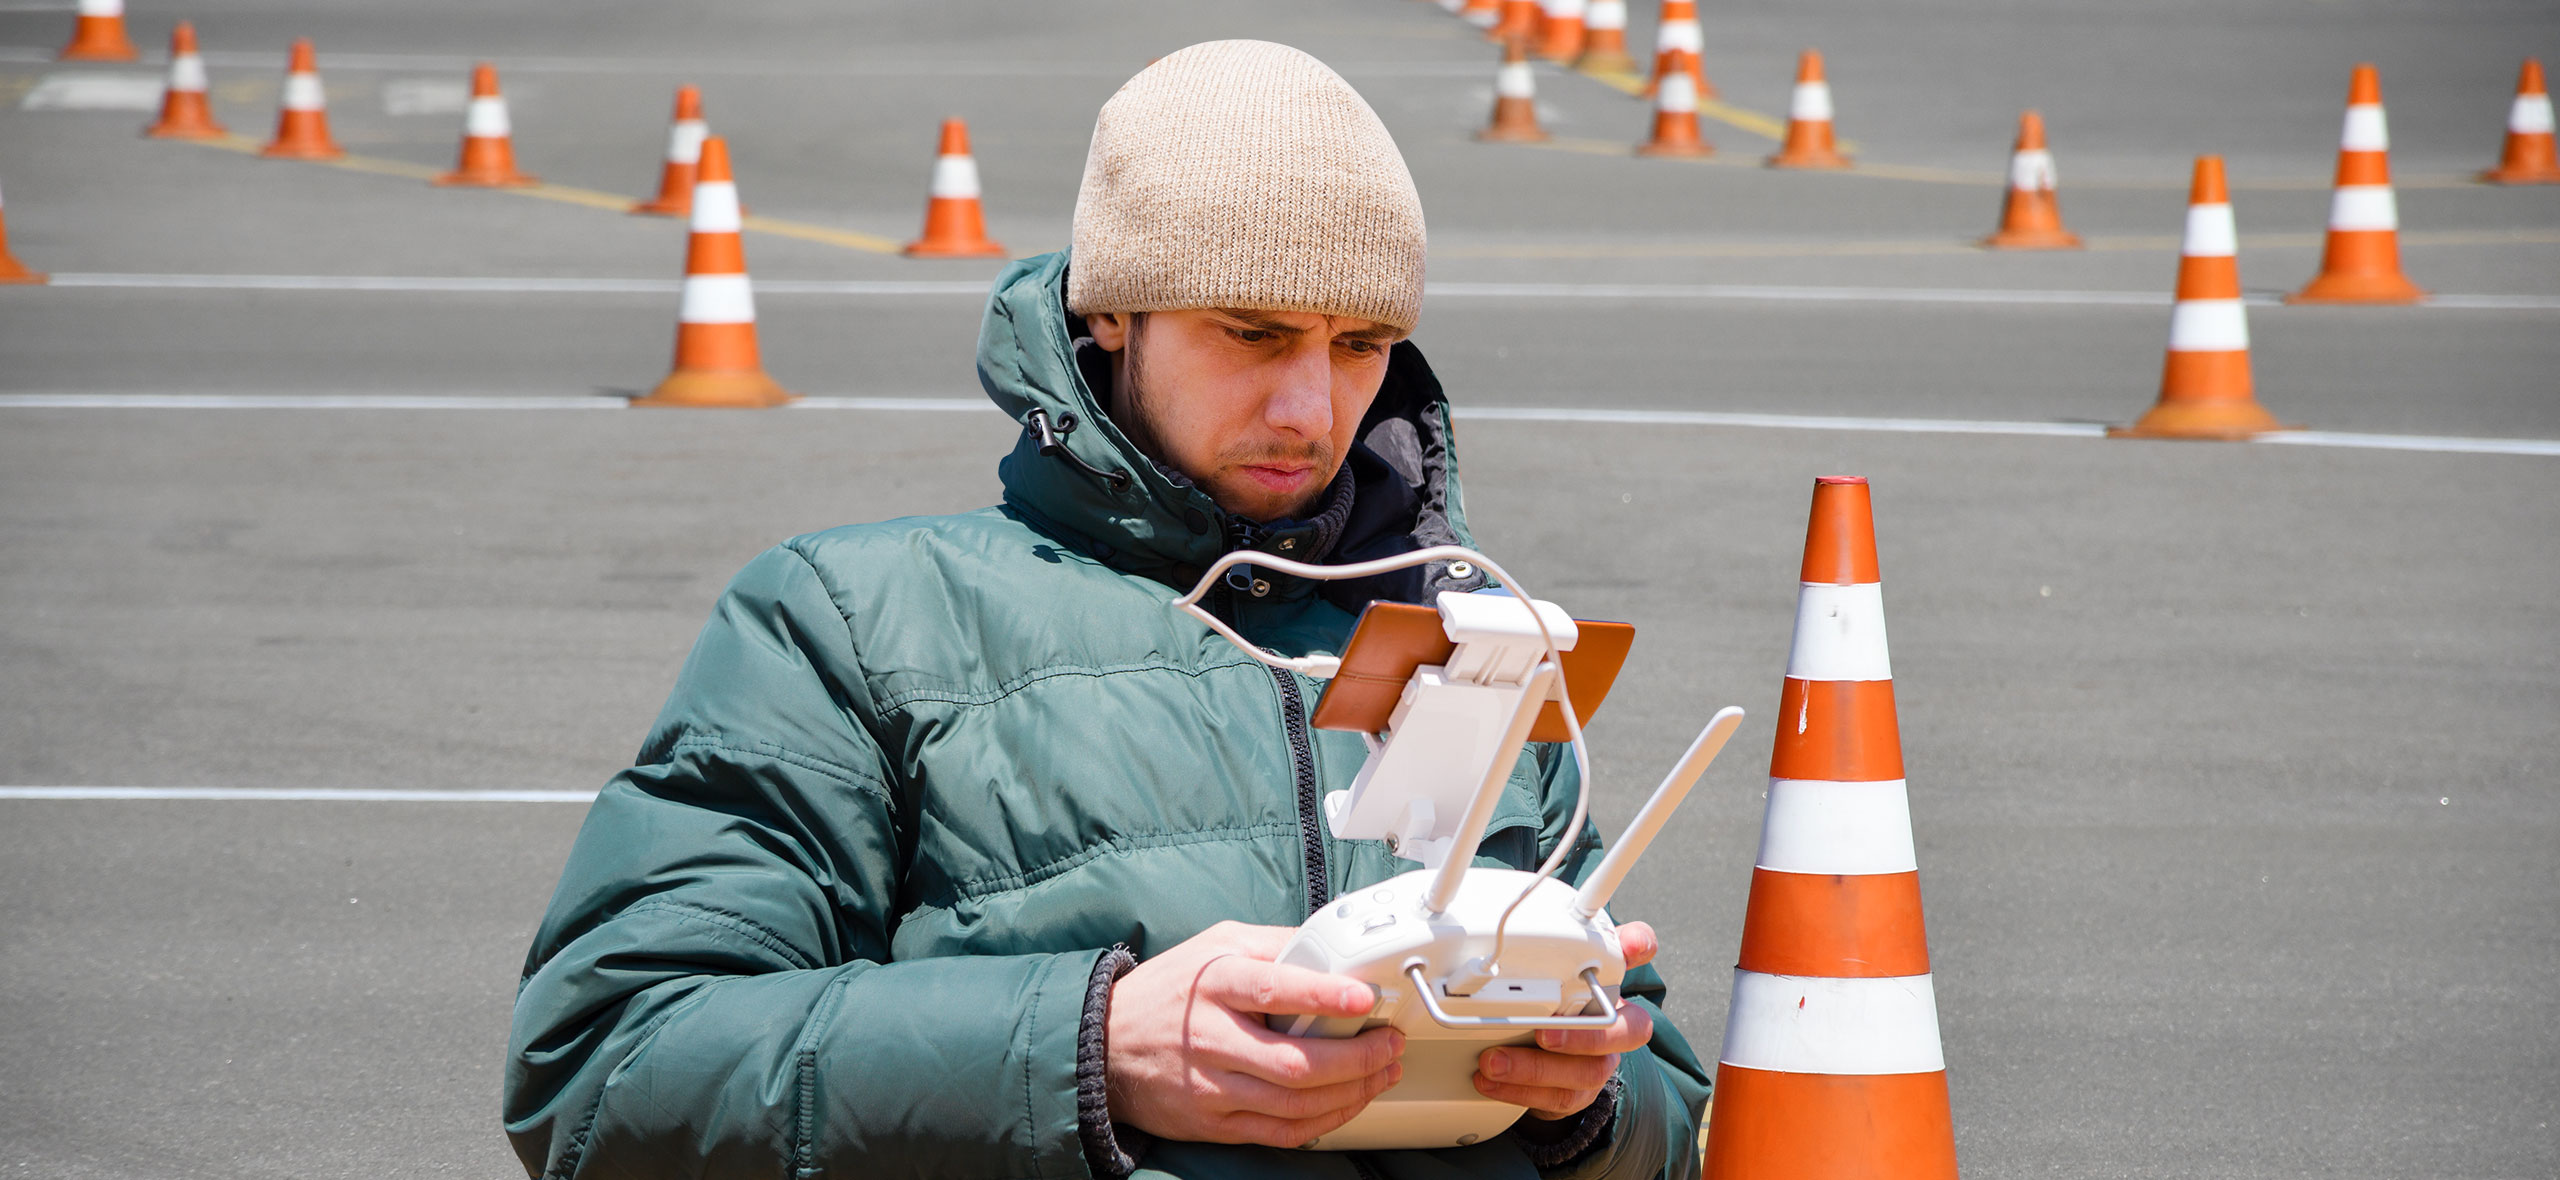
(1076, 475)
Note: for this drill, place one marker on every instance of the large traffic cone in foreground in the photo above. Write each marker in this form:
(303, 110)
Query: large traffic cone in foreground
(2529, 158)
(1808, 143)
(716, 361)
(2031, 219)
(488, 141)
(2205, 390)
(955, 224)
(302, 121)
(1518, 18)
(684, 158)
(185, 112)
(1675, 119)
(1561, 35)
(12, 270)
(1515, 98)
(1832, 1068)
(1604, 38)
(100, 34)
(1676, 34)
(2362, 261)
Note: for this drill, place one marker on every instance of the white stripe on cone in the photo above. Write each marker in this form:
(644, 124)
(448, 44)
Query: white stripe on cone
(102, 7)
(2531, 115)
(2211, 233)
(1680, 34)
(486, 118)
(1513, 80)
(1840, 634)
(717, 299)
(1812, 102)
(2364, 206)
(1837, 828)
(1606, 14)
(2208, 325)
(2364, 131)
(1801, 1024)
(955, 176)
(302, 93)
(715, 208)
(2032, 171)
(684, 141)
(186, 74)
(1679, 93)
(1564, 9)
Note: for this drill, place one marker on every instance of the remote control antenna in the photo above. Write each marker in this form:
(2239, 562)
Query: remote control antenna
(1657, 812)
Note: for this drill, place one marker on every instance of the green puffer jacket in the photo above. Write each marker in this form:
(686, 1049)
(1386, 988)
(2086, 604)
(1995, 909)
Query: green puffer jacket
(917, 776)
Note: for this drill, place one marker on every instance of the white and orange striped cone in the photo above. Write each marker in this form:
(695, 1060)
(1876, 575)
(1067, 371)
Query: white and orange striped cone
(185, 111)
(2205, 387)
(1675, 119)
(955, 224)
(1604, 39)
(12, 270)
(2031, 219)
(717, 365)
(2361, 263)
(100, 34)
(1517, 18)
(488, 140)
(2529, 157)
(1515, 98)
(1678, 33)
(1561, 34)
(684, 159)
(1483, 14)
(302, 120)
(1832, 1067)
(1809, 143)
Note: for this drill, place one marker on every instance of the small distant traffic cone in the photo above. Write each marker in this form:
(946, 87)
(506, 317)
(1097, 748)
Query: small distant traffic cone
(1515, 99)
(1518, 18)
(1678, 33)
(2205, 387)
(1808, 143)
(1561, 36)
(955, 225)
(2362, 261)
(302, 122)
(684, 158)
(488, 142)
(12, 270)
(100, 34)
(1604, 39)
(1832, 1066)
(2032, 218)
(185, 113)
(1483, 14)
(2529, 158)
(716, 361)
(1675, 119)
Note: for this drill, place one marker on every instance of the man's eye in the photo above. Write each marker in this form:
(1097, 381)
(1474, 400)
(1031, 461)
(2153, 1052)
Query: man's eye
(1363, 347)
(1252, 335)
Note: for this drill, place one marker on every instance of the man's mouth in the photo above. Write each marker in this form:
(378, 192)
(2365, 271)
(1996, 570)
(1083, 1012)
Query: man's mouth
(1281, 478)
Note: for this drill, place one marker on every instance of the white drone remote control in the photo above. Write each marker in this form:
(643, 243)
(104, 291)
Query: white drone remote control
(1463, 958)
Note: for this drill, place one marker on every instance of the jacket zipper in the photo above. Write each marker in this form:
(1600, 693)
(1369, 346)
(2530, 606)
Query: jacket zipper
(1302, 753)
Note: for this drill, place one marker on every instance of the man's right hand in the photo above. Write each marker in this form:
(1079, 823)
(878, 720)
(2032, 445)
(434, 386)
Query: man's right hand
(1188, 1056)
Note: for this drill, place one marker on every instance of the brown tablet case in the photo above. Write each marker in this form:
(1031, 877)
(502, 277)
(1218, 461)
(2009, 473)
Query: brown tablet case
(1394, 638)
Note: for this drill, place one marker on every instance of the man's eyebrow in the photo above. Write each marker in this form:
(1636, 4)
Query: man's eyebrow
(1263, 321)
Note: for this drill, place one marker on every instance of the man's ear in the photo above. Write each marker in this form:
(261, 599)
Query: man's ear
(1110, 329)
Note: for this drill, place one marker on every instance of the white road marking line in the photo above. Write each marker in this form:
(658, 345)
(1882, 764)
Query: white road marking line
(302, 401)
(2415, 442)
(1779, 421)
(554, 285)
(337, 60)
(298, 794)
(95, 92)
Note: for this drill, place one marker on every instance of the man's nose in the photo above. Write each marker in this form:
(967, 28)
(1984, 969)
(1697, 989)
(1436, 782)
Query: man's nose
(1301, 401)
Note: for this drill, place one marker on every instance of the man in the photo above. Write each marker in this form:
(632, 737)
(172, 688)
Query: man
(956, 852)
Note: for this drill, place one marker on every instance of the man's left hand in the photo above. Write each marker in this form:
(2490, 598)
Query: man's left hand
(1561, 1074)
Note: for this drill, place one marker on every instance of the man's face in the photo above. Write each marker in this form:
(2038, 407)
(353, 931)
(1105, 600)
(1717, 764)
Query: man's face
(1257, 407)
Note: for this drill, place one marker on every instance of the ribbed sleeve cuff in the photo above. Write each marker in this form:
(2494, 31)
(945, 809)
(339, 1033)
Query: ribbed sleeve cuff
(1558, 1144)
(1109, 1150)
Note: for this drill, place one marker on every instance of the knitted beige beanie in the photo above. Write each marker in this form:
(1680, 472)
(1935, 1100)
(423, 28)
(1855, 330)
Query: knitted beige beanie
(1245, 174)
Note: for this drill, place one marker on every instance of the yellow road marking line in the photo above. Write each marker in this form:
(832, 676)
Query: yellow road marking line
(2101, 243)
(1766, 126)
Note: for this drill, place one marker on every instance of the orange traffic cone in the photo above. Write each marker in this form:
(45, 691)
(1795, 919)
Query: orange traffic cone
(1678, 33)
(2031, 219)
(1675, 118)
(716, 361)
(955, 225)
(1561, 35)
(1515, 99)
(185, 113)
(2205, 388)
(2362, 261)
(12, 270)
(488, 142)
(302, 123)
(1832, 1066)
(1604, 39)
(1808, 143)
(100, 34)
(2529, 158)
(1483, 14)
(1519, 18)
(684, 158)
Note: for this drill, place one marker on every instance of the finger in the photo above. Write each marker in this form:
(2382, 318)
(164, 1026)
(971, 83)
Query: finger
(1252, 942)
(1301, 1062)
(1271, 1131)
(1542, 1101)
(1251, 1095)
(1634, 1027)
(1638, 943)
(1248, 985)
(1524, 1066)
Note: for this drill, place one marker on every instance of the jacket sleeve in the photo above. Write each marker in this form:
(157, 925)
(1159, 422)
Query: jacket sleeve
(711, 991)
(1662, 1088)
